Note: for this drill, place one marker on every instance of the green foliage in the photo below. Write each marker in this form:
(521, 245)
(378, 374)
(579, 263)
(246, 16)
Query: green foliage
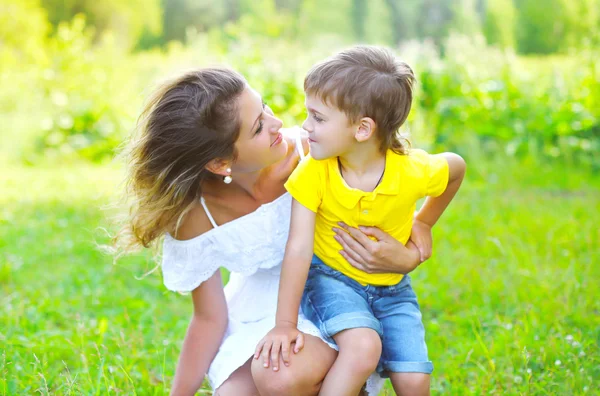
(84, 116)
(479, 97)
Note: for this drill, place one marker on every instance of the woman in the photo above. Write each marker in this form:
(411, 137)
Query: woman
(207, 171)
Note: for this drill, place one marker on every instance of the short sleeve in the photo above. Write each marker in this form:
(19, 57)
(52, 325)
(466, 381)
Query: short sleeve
(186, 264)
(437, 175)
(306, 183)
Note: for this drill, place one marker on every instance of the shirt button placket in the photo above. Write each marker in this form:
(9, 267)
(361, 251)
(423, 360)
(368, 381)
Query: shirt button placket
(365, 210)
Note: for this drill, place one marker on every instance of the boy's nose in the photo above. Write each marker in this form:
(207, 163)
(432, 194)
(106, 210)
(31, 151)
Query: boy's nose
(306, 127)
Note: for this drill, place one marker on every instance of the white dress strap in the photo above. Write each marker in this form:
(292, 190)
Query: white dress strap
(212, 221)
(299, 146)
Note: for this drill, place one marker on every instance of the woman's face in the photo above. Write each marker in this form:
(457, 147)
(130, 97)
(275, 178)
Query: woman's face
(260, 143)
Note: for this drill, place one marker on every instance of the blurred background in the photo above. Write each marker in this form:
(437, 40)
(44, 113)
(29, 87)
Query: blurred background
(510, 298)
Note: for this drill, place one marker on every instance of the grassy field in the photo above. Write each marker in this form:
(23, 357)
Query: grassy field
(511, 298)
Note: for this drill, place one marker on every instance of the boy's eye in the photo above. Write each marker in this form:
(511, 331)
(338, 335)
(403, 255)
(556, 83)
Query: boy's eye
(317, 118)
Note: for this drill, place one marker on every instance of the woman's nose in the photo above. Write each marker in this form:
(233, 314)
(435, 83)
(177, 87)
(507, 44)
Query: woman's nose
(276, 125)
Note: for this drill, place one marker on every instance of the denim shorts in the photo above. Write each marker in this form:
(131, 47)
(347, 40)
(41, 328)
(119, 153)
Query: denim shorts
(335, 302)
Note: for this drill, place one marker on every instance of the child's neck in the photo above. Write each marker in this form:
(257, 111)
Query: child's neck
(362, 167)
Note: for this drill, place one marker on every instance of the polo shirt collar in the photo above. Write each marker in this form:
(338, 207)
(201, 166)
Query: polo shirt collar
(390, 183)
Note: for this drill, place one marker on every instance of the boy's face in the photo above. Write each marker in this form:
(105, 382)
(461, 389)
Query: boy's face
(329, 132)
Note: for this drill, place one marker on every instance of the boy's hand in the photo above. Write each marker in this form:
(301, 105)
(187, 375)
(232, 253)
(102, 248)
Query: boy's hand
(281, 337)
(421, 237)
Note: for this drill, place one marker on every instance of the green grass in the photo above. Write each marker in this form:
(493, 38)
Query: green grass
(510, 299)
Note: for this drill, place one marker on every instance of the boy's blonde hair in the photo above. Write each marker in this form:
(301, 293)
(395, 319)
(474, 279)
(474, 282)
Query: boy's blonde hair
(367, 81)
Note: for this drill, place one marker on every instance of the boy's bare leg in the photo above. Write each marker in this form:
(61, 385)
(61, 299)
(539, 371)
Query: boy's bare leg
(411, 384)
(360, 350)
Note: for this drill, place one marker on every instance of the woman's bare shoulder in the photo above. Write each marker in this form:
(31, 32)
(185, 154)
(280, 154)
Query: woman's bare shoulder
(194, 224)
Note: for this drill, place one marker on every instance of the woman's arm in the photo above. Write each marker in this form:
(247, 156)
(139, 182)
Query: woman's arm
(384, 255)
(203, 337)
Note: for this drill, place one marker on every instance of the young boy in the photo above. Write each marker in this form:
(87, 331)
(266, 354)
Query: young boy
(360, 173)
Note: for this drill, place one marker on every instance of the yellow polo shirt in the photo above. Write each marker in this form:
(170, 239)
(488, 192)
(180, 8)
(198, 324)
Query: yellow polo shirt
(319, 186)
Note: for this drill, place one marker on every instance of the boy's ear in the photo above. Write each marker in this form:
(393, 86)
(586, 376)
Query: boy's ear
(366, 129)
(219, 166)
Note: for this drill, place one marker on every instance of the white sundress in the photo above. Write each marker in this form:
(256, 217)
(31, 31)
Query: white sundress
(251, 248)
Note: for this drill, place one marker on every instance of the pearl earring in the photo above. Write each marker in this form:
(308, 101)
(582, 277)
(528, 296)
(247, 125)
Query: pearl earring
(228, 179)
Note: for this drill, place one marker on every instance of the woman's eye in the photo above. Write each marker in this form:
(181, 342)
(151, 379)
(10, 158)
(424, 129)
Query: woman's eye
(260, 127)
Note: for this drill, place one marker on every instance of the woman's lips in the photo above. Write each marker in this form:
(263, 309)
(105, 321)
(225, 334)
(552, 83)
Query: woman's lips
(277, 140)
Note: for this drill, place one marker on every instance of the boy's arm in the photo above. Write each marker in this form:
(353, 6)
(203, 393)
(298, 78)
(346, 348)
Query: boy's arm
(433, 207)
(296, 262)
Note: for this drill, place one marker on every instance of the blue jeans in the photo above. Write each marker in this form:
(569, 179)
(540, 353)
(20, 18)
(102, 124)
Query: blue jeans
(334, 302)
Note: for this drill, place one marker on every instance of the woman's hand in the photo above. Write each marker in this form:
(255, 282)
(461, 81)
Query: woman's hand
(280, 338)
(383, 255)
(421, 237)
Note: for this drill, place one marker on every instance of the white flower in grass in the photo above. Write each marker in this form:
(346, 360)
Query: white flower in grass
(518, 379)
(569, 338)
(557, 363)
(581, 354)
(529, 371)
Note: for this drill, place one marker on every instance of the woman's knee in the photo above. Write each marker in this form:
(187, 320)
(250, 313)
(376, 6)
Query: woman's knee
(290, 380)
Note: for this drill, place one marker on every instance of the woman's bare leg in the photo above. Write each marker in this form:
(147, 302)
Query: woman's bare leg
(240, 383)
(302, 377)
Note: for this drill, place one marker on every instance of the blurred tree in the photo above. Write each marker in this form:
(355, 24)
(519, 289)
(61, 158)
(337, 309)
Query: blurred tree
(543, 27)
(232, 8)
(128, 19)
(23, 32)
(465, 17)
(359, 16)
(434, 19)
(293, 6)
(499, 23)
(399, 19)
(179, 15)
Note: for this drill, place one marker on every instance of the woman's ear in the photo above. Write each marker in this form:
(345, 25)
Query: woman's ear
(366, 129)
(219, 166)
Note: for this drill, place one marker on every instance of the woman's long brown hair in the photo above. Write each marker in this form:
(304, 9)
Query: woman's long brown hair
(186, 123)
